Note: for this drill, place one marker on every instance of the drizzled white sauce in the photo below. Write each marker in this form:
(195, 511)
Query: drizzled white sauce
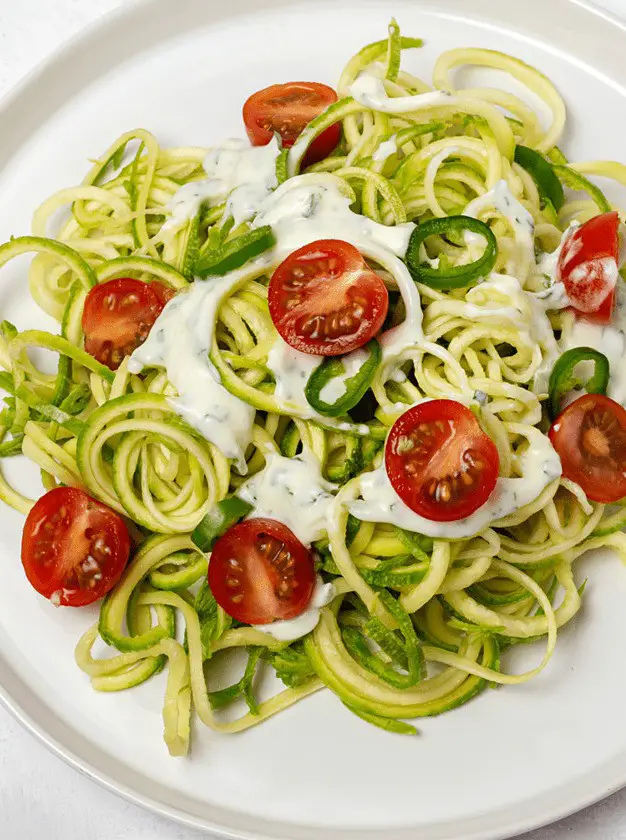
(238, 173)
(301, 211)
(609, 339)
(293, 491)
(336, 387)
(301, 625)
(370, 91)
(524, 310)
(548, 262)
(386, 149)
(539, 465)
(292, 370)
(186, 202)
(180, 341)
(502, 199)
(501, 299)
(409, 334)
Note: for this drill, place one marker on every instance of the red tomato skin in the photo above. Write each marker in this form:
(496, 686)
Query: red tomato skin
(588, 267)
(350, 290)
(604, 313)
(453, 443)
(603, 479)
(257, 589)
(114, 328)
(164, 293)
(50, 558)
(287, 109)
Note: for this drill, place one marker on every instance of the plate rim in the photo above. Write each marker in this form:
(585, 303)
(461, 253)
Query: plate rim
(607, 783)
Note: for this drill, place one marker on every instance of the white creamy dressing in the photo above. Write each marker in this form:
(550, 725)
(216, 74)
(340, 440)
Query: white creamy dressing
(502, 199)
(180, 341)
(295, 628)
(608, 339)
(336, 387)
(386, 149)
(370, 91)
(526, 311)
(238, 173)
(293, 491)
(292, 370)
(500, 299)
(303, 210)
(407, 335)
(186, 202)
(539, 465)
(548, 262)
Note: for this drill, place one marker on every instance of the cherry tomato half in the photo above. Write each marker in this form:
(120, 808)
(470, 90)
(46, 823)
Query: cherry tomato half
(260, 572)
(588, 267)
(324, 299)
(590, 438)
(288, 109)
(440, 462)
(118, 316)
(74, 548)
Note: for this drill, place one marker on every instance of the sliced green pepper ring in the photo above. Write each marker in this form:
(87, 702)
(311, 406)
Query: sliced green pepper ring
(454, 277)
(543, 174)
(562, 378)
(218, 520)
(354, 388)
(234, 252)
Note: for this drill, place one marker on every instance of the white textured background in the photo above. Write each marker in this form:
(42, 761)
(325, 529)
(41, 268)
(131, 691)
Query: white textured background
(40, 797)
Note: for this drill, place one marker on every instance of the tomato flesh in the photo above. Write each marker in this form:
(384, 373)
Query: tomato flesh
(440, 462)
(287, 109)
(260, 572)
(74, 548)
(118, 316)
(590, 439)
(588, 267)
(325, 300)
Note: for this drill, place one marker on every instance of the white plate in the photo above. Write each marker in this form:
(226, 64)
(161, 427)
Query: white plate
(510, 761)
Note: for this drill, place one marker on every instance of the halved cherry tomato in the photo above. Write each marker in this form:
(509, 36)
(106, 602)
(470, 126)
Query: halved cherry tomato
(118, 316)
(288, 109)
(260, 572)
(74, 548)
(588, 267)
(590, 438)
(440, 462)
(324, 299)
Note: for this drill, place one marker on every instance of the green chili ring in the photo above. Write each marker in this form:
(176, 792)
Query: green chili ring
(543, 174)
(356, 386)
(455, 277)
(562, 378)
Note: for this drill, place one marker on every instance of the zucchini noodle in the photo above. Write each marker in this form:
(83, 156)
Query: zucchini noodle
(418, 624)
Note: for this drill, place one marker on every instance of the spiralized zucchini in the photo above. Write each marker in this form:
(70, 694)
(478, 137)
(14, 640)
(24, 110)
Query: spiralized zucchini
(418, 625)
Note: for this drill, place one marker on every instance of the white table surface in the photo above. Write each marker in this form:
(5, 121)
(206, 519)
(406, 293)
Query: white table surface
(41, 797)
